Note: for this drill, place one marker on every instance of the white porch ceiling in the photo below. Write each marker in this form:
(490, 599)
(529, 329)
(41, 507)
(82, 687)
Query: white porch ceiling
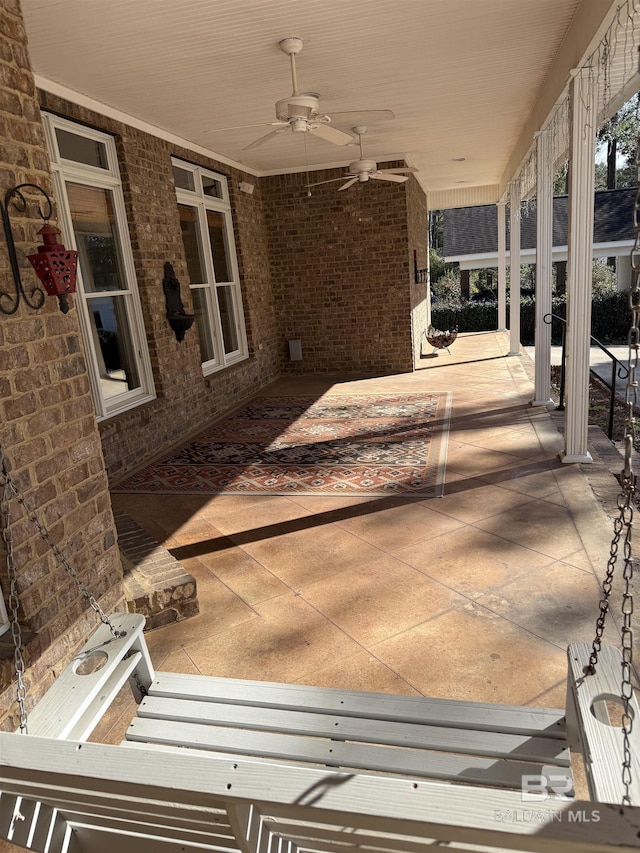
(465, 78)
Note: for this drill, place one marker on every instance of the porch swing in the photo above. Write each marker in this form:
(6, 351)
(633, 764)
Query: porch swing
(229, 765)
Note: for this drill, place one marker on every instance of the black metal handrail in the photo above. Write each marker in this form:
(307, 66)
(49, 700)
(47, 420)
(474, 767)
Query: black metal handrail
(618, 370)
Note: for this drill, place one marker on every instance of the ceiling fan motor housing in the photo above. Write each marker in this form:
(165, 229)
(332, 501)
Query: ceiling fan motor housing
(363, 167)
(284, 109)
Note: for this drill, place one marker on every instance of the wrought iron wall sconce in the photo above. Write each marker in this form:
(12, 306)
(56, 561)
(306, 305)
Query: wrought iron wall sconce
(55, 265)
(179, 321)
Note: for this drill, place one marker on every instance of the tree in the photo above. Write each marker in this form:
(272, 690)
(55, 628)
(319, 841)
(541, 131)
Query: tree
(619, 135)
(561, 180)
(435, 229)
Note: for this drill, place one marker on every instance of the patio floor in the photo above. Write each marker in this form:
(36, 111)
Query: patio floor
(474, 595)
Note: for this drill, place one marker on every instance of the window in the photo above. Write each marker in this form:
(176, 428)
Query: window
(92, 216)
(207, 234)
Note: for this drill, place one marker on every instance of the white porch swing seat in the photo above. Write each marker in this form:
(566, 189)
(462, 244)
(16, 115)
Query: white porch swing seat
(222, 764)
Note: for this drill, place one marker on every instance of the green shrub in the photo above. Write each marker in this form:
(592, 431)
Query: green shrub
(609, 317)
(447, 289)
(438, 268)
(603, 279)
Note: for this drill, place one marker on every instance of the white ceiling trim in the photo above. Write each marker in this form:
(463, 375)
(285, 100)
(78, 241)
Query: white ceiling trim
(463, 197)
(338, 164)
(88, 103)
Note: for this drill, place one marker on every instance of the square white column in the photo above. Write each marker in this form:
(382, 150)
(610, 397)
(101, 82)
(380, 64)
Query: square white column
(544, 256)
(514, 267)
(579, 263)
(502, 266)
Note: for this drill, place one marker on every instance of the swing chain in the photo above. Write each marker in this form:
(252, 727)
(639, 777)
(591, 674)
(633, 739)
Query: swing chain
(14, 602)
(624, 521)
(618, 526)
(629, 484)
(11, 489)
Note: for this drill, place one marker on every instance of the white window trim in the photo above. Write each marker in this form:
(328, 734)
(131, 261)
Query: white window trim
(201, 202)
(66, 170)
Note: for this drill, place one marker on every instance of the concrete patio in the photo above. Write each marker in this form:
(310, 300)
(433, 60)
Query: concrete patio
(474, 595)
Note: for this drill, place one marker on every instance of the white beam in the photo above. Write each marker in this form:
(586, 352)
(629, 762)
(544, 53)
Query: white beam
(514, 267)
(544, 251)
(502, 266)
(582, 99)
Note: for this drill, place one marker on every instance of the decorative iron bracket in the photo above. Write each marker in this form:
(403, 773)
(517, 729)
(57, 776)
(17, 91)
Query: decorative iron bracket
(419, 276)
(35, 299)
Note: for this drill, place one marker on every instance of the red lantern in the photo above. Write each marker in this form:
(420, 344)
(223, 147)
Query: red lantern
(55, 266)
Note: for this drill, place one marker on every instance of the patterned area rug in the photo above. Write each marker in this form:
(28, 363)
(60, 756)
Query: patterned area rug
(393, 444)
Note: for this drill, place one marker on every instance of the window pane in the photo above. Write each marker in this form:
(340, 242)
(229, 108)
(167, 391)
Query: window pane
(227, 318)
(112, 338)
(211, 187)
(191, 240)
(81, 150)
(183, 179)
(207, 349)
(99, 252)
(218, 240)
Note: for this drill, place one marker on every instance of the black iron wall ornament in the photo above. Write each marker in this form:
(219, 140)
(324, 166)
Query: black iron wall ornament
(178, 319)
(54, 264)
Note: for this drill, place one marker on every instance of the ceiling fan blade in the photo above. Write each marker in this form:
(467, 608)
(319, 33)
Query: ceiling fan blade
(242, 126)
(398, 179)
(398, 171)
(264, 139)
(361, 116)
(330, 181)
(299, 111)
(331, 134)
(347, 185)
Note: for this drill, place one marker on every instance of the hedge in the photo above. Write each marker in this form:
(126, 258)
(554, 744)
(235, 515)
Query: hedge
(610, 317)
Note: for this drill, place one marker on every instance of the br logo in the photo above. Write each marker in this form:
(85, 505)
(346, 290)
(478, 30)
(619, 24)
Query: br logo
(537, 787)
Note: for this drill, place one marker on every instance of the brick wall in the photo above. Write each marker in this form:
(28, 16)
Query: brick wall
(186, 400)
(47, 425)
(341, 273)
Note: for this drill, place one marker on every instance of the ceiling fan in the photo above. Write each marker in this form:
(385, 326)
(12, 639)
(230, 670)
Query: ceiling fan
(300, 112)
(362, 170)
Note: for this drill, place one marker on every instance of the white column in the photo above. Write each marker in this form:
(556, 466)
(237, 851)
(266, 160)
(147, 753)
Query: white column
(580, 252)
(428, 267)
(514, 267)
(544, 253)
(502, 266)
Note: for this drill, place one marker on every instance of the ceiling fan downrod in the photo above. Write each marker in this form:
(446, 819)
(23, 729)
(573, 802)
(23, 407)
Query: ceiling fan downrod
(291, 46)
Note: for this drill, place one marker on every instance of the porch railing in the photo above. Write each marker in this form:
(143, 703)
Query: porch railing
(618, 370)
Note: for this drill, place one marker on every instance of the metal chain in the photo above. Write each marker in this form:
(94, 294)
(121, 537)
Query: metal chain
(14, 603)
(9, 490)
(607, 583)
(629, 485)
(624, 521)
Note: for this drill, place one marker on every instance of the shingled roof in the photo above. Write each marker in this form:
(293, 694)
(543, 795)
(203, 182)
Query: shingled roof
(474, 230)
